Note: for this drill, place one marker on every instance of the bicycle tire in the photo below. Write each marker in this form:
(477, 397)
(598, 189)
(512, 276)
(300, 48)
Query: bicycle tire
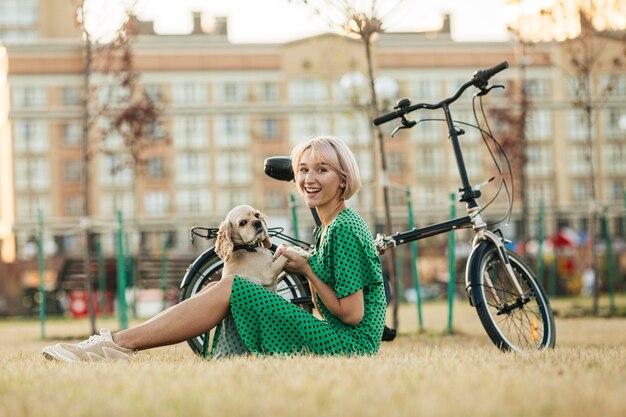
(207, 268)
(513, 323)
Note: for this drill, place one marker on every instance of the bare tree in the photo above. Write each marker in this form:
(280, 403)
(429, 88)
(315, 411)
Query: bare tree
(586, 28)
(127, 108)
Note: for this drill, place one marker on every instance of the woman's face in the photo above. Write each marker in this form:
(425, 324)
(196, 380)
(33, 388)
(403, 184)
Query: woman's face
(320, 184)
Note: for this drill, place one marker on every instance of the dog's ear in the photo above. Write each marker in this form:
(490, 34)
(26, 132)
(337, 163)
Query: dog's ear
(224, 243)
(267, 243)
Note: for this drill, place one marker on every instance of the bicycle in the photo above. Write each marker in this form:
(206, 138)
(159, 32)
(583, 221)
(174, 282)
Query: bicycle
(511, 305)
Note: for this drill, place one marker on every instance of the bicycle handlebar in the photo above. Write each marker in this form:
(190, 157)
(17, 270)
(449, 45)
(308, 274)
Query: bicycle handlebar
(479, 80)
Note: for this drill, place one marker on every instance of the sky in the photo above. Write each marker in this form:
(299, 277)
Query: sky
(257, 21)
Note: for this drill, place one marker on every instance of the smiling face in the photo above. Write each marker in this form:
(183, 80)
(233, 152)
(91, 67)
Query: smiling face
(321, 186)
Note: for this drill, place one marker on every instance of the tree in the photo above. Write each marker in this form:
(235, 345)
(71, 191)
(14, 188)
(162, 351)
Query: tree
(127, 109)
(586, 28)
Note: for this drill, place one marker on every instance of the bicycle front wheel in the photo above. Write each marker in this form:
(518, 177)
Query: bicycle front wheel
(518, 322)
(207, 269)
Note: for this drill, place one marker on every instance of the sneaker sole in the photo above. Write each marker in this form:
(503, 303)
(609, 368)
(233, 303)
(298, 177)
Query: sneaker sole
(50, 354)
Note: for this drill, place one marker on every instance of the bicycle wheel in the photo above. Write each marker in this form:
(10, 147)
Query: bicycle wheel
(513, 322)
(207, 268)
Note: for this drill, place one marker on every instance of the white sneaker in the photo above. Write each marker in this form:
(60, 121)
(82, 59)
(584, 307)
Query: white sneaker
(97, 348)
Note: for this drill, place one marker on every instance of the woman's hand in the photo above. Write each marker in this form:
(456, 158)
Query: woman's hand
(297, 264)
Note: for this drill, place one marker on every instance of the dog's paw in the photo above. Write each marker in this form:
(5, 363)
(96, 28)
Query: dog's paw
(297, 250)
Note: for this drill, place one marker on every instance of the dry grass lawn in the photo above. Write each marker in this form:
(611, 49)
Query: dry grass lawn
(419, 374)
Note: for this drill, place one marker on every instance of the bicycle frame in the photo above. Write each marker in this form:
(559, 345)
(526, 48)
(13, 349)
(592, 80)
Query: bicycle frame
(469, 194)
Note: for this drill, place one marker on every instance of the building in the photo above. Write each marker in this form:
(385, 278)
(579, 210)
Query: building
(229, 106)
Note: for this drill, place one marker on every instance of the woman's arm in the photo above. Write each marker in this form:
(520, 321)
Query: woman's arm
(349, 309)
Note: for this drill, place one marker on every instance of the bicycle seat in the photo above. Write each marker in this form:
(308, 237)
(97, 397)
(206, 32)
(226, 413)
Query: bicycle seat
(279, 168)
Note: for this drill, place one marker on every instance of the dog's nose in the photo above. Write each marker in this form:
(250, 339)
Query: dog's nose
(256, 224)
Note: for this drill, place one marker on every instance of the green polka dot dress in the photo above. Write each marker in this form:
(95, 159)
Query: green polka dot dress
(262, 322)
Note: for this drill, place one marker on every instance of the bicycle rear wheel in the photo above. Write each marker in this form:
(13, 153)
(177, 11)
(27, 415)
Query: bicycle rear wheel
(207, 268)
(513, 322)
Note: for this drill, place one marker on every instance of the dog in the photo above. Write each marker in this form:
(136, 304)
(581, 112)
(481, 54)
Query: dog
(243, 244)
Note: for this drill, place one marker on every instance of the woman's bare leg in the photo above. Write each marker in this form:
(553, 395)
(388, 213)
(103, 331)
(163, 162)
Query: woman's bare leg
(190, 318)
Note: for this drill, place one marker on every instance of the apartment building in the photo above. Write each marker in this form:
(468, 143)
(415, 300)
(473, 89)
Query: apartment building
(229, 106)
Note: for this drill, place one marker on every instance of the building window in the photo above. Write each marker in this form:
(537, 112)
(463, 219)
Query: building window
(580, 191)
(616, 190)
(71, 96)
(30, 136)
(155, 167)
(112, 202)
(72, 133)
(308, 91)
(577, 161)
(429, 162)
(156, 202)
(275, 200)
(18, 12)
(615, 158)
(28, 207)
(154, 92)
(190, 133)
(539, 125)
(428, 195)
(397, 197)
(353, 128)
(231, 92)
(425, 90)
(155, 131)
(471, 134)
(269, 128)
(231, 197)
(611, 119)
(366, 165)
(112, 95)
(189, 93)
(115, 171)
(395, 163)
(267, 91)
(576, 125)
(538, 87)
(429, 131)
(192, 168)
(32, 174)
(540, 191)
(616, 85)
(306, 126)
(72, 170)
(232, 131)
(29, 96)
(233, 168)
(539, 161)
(193, 201)
(73, 205)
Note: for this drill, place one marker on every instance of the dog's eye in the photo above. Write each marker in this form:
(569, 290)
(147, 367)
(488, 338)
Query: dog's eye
(257, 215)
(242, 223)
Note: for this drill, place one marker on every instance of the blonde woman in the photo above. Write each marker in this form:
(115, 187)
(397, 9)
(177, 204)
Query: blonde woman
(344, 272)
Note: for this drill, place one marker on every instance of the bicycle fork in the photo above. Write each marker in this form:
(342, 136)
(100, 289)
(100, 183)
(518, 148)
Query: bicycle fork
(482, 234)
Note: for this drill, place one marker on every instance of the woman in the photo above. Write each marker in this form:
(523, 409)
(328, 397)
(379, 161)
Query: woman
(344, 272)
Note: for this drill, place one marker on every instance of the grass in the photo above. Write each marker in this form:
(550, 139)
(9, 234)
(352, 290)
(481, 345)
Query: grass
(429, 373)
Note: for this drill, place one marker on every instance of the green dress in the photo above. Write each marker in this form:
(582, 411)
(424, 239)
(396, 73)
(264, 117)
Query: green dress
(346, 260)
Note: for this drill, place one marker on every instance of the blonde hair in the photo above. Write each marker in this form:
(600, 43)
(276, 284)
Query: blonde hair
(336, 155)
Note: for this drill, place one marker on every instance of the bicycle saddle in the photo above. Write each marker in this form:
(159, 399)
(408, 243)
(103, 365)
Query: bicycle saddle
(278, 167)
